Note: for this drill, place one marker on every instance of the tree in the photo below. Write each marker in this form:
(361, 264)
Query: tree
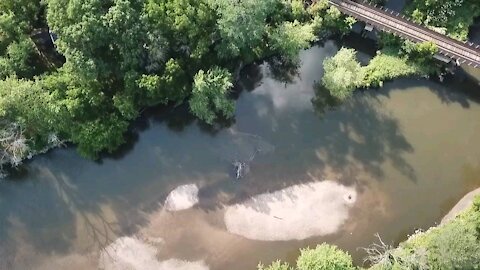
(110, 35)
(421, 52)
(242, 26)
(186, 25)
(453, 16)
(104, 133)
(209, 95)
(342, 73)
(26, 104)
(161, 89)
(17, 19)
(291, 37)
(16, 61)
(26, 12)
(324, 257)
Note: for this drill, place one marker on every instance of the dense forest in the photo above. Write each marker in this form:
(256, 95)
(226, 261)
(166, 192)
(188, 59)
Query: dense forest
(114, 58)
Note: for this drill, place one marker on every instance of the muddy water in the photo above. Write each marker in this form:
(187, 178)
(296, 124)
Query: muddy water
(407, 149)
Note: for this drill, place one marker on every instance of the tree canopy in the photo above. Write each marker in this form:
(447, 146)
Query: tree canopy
(342, 73)
(113, 58)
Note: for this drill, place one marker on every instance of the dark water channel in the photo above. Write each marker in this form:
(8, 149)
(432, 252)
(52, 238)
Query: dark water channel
(409, 149)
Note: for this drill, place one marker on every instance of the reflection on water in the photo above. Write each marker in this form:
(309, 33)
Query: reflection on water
(407, 148)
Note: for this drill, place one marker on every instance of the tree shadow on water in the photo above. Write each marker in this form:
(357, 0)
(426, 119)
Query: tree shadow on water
(283, 70)
(360, 134)
(323, 101)
(250, 78)
(56, 215)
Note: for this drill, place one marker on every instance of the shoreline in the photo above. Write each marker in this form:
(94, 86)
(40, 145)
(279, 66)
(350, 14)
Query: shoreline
(463, 204)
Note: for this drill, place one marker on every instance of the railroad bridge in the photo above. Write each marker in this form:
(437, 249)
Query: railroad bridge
(393, 22)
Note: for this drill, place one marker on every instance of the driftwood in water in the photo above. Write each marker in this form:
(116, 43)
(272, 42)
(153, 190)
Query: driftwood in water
(241, 168)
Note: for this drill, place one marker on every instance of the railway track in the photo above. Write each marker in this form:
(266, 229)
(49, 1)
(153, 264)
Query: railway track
(391, 21)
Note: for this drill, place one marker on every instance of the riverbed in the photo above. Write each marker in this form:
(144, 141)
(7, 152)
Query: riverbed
(393, 160)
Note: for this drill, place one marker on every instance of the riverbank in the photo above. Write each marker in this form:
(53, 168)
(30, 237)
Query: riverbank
(465, 203)
(453, 244)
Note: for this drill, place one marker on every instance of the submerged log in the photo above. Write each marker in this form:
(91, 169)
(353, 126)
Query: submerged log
(240, 169)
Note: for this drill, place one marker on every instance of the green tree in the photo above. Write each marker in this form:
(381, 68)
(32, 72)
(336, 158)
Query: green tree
(170, 86)
(421, 52)
(26, 12)
(26, 104)
(242, 26)
(324, 257)
(342, 74)
(453, 16)
(209, 95)
(387, 67)
(291, 37)
(104, 133)
(17, 59)
(187, 27)
(17, 51)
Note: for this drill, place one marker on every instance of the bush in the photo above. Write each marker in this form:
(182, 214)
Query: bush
(278, 265)
(386, 67)
(209, 95)
(324, 257)
(455, 245)
(343, 73)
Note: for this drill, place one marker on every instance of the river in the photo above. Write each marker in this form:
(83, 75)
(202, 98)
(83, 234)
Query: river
(407, 149)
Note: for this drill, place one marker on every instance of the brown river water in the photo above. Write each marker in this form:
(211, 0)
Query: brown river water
(407, 152)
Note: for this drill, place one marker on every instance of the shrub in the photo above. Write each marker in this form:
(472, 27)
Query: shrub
(386, 67)
(324, 257)
(278, 265)
(343, 73)
(209, 95)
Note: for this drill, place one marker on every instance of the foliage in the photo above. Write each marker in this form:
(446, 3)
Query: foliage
(386, 67)
(24, 103)
(241, 25)
(104, 133)
(120, 56)
(342, 73)
(277, 265)
(209, 94)
(420, 53)
(17, 51)
(332, 19)
(324, 257)
(16, 59)
(26, 12)
(26, 120)
(454, 245)
(179, 27)
(290, 37)
(298, 9)
(455, 16)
